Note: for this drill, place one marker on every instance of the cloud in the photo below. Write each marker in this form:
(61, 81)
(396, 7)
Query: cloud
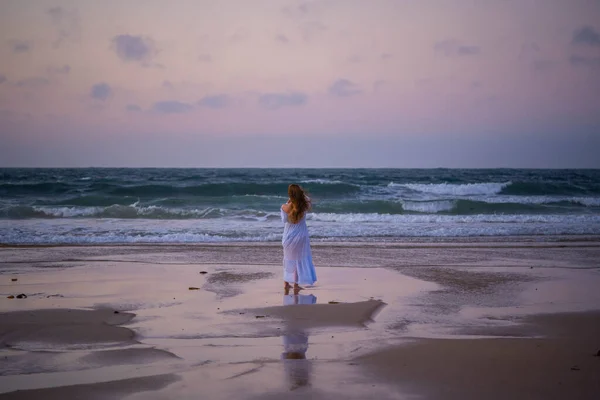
(446, 47)
(311, 29)
(282, 39)
(66, 23)
(379, 85)
(2, 79)
(304, 16)
(344, 88)
(580, 61)
(239, 35)
(33, 83)
(133, 48)
(64, 70)
(386, 56)
(451, 48)
(205, 58)
(214, 101)
(528, 50)
(171, 107)
(488, 101)
(133, 108)
(530, 53)
(101, 91)
(586, 36)
(20, 46)
(354, 59)
(435, 81)
(296, 12)
(468, 50)
(55, 13)
(273, 101)
(542, 65)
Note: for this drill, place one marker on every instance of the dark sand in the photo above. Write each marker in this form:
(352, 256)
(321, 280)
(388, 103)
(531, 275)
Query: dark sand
(96, 391)
(561, 365)
(64, 327)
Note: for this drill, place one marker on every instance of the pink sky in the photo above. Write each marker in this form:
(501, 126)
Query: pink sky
(346, 82)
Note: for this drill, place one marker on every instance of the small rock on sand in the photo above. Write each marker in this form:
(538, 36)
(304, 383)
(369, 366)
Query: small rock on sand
(334, 302)
(194, 288)
(203, 272)
(13, 279)
(21, 296)
(598, 353)
(575, 368)
(11, 297)
(260, 316)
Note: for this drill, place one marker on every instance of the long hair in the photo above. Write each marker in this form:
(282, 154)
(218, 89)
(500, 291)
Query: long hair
(299, 201)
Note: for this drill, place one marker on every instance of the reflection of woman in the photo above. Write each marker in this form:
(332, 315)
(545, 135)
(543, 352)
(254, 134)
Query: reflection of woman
(298, 266)
(295, 345)
(289, 299)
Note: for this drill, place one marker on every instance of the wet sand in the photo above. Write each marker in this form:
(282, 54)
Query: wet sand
(391, 322)
(559, 362)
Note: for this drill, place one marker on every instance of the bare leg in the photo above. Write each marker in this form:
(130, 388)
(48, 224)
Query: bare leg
(286, 286)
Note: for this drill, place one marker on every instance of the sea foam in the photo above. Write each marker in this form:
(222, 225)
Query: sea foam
(454, 189)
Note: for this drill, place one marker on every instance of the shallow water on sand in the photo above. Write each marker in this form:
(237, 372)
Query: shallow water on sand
(235, 332)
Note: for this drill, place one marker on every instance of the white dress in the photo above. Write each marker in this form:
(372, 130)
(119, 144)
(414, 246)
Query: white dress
(297, 258)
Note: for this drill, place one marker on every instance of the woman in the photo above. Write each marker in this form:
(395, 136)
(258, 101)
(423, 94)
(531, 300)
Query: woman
(298, 266)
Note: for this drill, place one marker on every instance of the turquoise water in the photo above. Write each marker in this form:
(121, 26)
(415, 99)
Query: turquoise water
(208, 205)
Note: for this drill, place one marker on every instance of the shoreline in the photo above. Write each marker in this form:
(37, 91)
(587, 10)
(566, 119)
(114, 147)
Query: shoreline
(425, 241)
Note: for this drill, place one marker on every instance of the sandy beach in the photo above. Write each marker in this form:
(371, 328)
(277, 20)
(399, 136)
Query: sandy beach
(454, 320)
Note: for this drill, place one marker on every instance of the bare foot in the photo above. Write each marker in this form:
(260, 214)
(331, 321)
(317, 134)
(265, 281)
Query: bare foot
(286, 286)
(297, 288)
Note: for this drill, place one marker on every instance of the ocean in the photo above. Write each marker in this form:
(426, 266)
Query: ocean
(146, 205)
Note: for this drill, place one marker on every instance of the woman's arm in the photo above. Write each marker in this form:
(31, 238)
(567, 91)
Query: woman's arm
(287, 207)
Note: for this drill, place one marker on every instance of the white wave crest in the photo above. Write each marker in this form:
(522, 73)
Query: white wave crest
(68, 212)
(586, 201)
(428, 206)
(262, 196)
(322, 181)
(466, 189)
(131, 211)
(360, 227)
(401, 219)
(136, 211)
(134, 238)
(582, 201)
